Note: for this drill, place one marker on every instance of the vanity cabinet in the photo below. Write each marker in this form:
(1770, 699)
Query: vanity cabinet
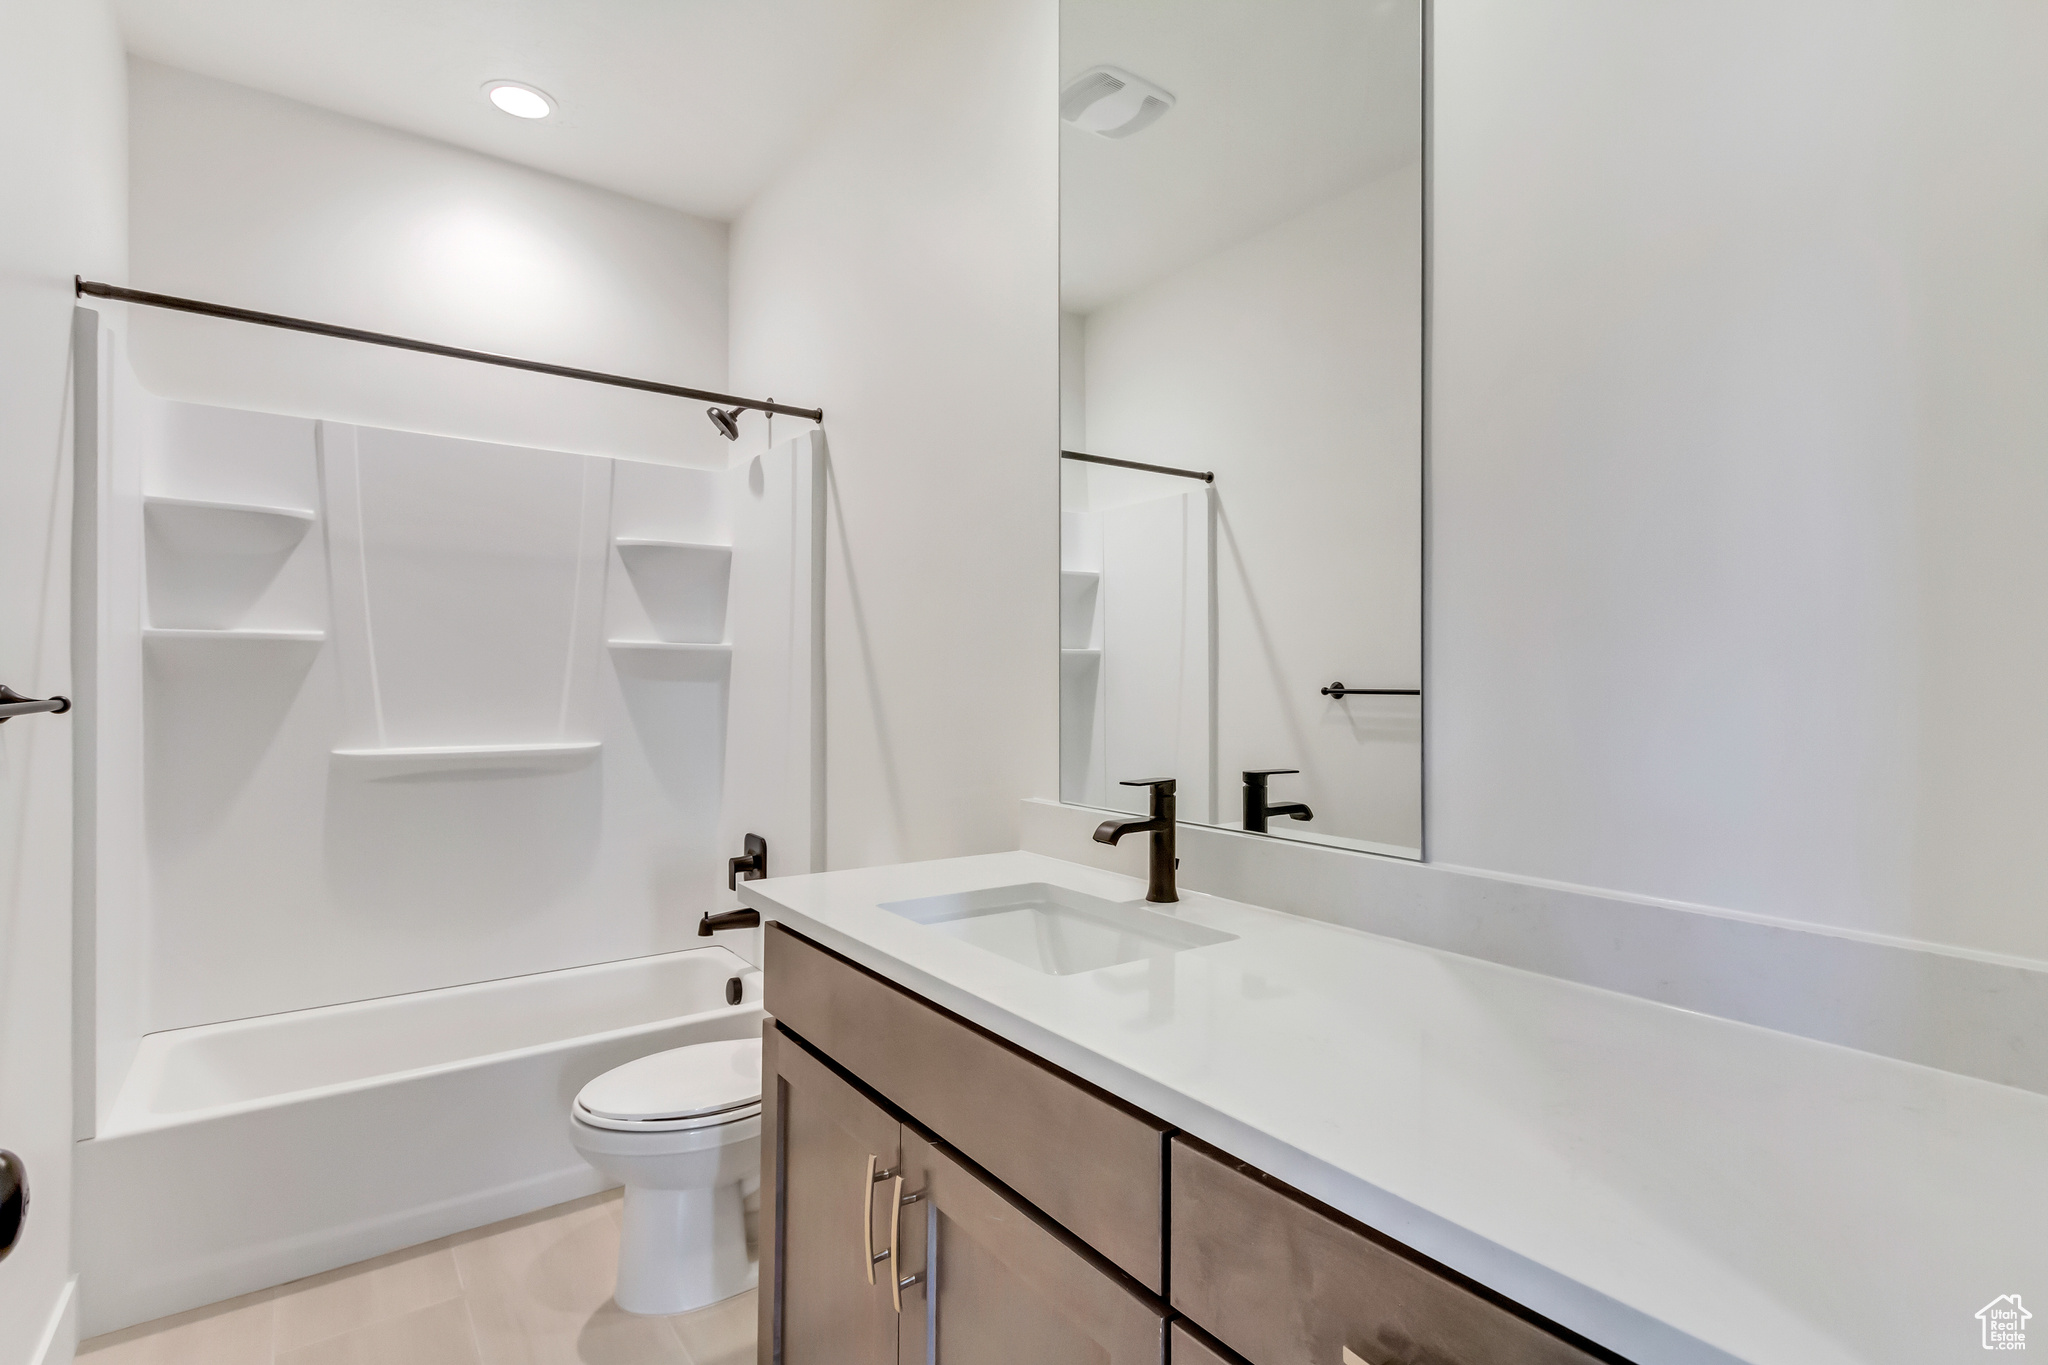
(1285, 1281)
(1093, 1164)
(1001, 1286)
(1185, 1346)
(828, 1139)
(884, 1248)
(933, 1195)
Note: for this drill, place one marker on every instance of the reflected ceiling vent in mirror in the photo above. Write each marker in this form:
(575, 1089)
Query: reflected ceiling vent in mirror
(1111, 102)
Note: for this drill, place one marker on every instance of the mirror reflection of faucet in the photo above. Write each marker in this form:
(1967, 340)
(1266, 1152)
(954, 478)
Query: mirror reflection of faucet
(1256, 809)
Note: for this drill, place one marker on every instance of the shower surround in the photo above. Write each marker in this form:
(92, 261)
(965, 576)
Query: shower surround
(377, 714)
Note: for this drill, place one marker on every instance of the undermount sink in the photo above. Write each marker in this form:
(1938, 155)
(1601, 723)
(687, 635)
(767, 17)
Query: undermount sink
(1054, 930)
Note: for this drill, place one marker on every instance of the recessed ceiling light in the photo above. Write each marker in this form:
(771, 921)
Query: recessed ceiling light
(520, 101)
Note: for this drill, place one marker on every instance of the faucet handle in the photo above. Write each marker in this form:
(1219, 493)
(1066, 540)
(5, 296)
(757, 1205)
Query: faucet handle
(1164, 786)
(1250, 773)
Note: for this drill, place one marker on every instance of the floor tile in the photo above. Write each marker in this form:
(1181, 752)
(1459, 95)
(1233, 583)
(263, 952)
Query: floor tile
(233, 1332)
(510, 1332)
(722, 1334)
(439, 1335)
(361, 1295)
(558, 1271)
(535, 1290)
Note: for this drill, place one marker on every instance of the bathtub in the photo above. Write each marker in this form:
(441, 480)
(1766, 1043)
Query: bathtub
(245, 1154)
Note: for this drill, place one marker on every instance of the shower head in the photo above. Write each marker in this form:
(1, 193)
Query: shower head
(727, 420)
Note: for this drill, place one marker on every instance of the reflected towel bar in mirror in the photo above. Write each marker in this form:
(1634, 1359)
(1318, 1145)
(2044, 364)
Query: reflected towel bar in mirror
(1206, 476)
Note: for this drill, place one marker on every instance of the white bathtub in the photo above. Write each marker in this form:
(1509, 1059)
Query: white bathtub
(245, 1154)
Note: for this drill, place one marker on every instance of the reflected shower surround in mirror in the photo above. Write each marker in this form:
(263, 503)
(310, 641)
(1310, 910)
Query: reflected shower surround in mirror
(1241, 292)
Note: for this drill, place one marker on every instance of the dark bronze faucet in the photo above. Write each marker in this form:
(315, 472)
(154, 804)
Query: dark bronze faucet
(1256, 811)
(1160, 826)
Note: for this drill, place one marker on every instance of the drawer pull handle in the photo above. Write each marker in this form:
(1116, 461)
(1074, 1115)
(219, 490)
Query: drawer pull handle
(895, 1228)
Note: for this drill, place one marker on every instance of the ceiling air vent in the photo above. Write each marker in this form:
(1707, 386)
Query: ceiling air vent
(1110, 102)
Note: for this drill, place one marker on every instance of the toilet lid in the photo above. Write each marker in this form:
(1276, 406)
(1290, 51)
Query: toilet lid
(685, 1082)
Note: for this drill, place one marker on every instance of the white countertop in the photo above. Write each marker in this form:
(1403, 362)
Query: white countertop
(1674, 1186)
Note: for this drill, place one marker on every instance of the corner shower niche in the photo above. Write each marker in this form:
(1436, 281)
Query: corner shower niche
(378, 712)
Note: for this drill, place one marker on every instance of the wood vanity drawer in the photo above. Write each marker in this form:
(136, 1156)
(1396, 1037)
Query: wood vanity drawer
(1090, 1162)
(1283, 1280)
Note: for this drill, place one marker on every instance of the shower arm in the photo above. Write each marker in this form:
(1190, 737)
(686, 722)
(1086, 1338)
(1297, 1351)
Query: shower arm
(83, 288)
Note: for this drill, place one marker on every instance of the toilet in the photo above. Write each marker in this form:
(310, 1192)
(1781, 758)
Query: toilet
(681, 1130)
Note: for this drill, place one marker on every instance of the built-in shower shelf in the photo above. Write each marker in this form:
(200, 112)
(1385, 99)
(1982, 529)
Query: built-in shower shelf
(178, 635)
(456, 758)
(681, 586)
(1080, 589)
(228, 527)
(657, 543)
(709, 651)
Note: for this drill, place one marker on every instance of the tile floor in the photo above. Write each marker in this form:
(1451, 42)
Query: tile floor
(529, 1291)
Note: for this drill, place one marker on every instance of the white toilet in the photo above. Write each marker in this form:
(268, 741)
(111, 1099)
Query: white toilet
(682, 1131)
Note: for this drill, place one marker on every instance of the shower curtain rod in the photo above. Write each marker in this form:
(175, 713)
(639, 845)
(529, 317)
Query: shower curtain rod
(97, 290)
(1204, 475)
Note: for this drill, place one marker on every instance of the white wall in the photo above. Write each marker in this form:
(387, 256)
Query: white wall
(903, 275)
(1737, 484)
(1291, 364)
(254, 200)
(62, 168)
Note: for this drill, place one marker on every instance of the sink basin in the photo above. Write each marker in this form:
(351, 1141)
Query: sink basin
(1056, 931)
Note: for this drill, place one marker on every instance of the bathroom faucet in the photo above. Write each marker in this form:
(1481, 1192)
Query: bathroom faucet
(1256, 811)
(1160, 826)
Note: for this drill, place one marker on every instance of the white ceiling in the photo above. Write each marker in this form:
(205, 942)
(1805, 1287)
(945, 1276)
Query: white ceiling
(1280, 106)
(690, 103)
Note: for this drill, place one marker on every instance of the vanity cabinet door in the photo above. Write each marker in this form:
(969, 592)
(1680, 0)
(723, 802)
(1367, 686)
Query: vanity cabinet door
(823, 1300)
(997, 1285)
(1283, 1280)
(1089, 1161)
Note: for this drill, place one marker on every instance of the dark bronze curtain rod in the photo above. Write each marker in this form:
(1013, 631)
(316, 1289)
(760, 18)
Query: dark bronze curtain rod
(1204, 475)
(328, 329)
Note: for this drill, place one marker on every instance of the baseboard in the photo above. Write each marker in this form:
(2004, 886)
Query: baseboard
(1975, 1014)
(59, 1342)
(263, 1265)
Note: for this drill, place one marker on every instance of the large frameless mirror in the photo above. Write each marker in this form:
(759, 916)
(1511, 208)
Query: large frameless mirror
(1241, 369)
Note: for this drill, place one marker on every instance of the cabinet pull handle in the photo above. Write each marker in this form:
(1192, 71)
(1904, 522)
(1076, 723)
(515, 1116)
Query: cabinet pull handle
(895, 1228)
(875, 1178)
(867, 1218)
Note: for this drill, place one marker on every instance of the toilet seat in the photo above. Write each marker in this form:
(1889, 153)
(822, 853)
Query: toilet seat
(705, 1085)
